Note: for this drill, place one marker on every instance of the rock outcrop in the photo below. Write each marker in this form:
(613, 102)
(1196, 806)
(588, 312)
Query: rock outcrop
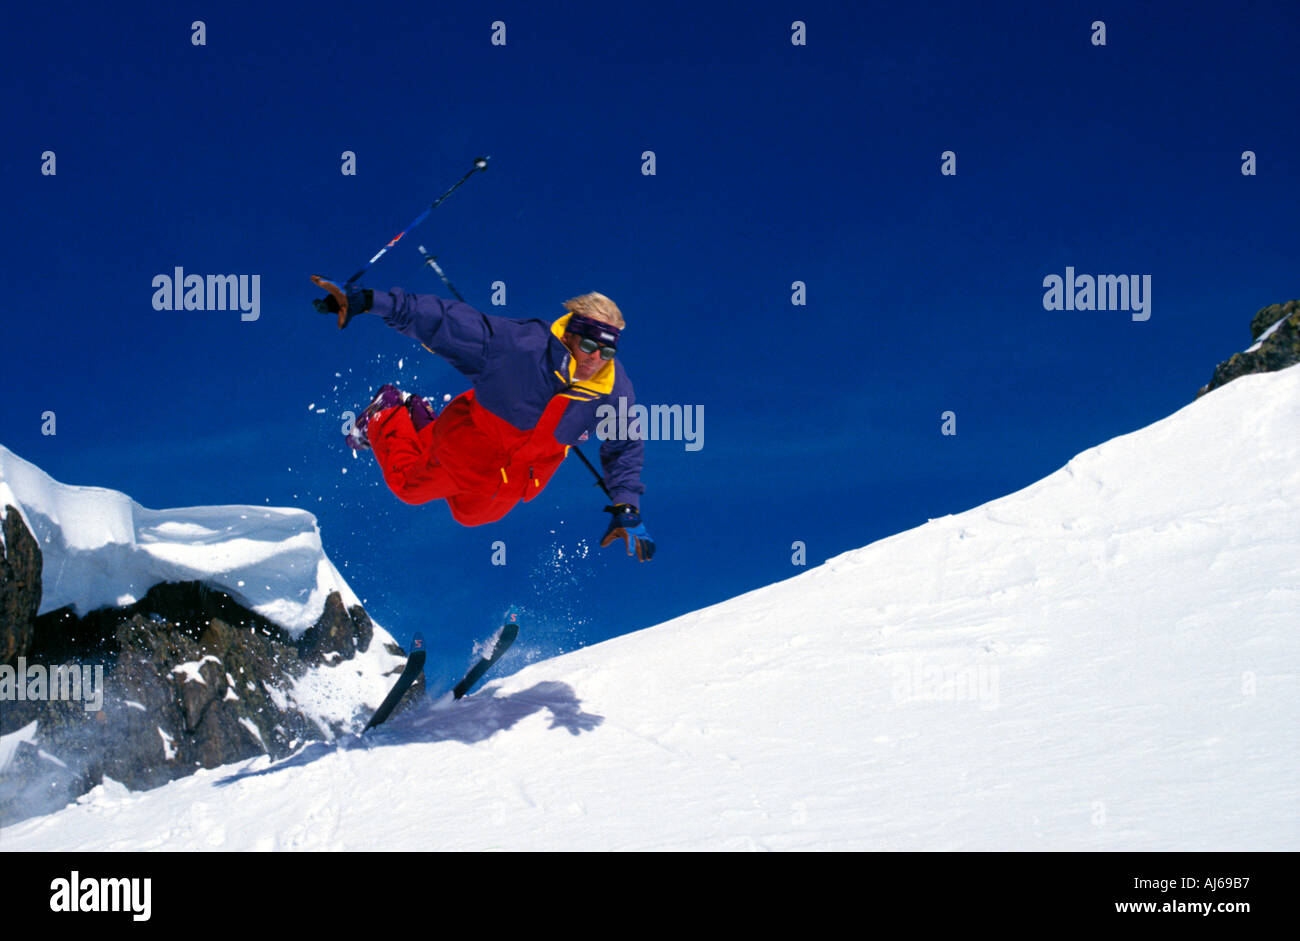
(1276, 331)
(20, 585)
(191, 679)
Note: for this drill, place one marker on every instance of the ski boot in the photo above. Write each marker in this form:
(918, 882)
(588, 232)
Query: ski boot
(387, 397)
(422, 413)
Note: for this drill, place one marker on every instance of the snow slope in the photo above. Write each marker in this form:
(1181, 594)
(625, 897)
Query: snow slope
(1104, 660)
(101, 548)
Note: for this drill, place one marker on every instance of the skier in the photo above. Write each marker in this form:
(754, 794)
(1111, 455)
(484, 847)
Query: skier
(535, 390)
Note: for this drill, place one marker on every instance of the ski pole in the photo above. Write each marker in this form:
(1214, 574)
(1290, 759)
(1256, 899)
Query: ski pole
(480, 163)
(600, 480)
(340, 294)
(432, 262)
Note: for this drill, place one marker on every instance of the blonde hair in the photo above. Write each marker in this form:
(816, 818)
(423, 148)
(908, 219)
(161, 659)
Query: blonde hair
(596, 306)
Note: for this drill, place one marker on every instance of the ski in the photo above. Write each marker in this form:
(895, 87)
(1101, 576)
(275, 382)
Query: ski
(414, 664)
(498, 646)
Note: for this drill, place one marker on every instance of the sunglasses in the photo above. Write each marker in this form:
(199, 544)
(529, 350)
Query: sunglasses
(588, 345)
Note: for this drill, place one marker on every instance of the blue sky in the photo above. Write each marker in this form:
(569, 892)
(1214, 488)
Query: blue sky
(775, 163)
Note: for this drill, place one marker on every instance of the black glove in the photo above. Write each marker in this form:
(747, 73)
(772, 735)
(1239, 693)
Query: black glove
(357, 300)
(627, 523)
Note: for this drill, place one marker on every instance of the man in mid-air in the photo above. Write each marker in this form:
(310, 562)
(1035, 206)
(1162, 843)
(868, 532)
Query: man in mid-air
(535, 388)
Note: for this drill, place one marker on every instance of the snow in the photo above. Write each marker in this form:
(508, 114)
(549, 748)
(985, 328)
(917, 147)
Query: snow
(105, 796)
(1104, 660)
(102, 548)
(253, 731)
(331, 694)
(190, 670)
(277, 696)
(168, 744)
(483, 649)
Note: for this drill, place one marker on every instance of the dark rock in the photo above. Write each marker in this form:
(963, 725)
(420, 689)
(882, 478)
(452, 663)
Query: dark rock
(339, 631)
(20, 586)
(198, 688)
(365, 631)
(231, 701)
(1267, 316)
(1280, 350)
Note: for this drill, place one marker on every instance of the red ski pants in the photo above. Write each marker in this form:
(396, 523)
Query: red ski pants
(446, 460)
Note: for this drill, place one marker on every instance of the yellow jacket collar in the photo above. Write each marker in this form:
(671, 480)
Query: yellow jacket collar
(602, 382)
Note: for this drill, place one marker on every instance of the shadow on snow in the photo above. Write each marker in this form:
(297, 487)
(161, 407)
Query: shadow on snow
(470, 720)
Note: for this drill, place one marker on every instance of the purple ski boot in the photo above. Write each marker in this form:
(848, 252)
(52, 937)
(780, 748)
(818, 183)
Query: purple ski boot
(387, 397)
(422, 413)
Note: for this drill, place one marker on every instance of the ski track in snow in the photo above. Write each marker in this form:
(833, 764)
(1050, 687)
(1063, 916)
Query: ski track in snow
(1104, 660)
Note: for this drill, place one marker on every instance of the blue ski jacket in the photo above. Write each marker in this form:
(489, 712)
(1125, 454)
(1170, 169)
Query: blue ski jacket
(521, 369)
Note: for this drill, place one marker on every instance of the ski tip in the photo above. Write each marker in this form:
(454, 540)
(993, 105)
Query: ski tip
(417, 642)
(513, 614)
